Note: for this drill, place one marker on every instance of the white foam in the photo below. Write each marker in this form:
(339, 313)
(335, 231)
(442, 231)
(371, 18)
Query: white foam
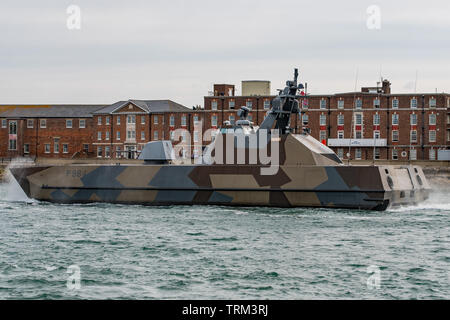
(439, 200)
(13, 190)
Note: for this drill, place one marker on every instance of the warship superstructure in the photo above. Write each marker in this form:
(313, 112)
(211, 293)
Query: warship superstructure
(234, 170)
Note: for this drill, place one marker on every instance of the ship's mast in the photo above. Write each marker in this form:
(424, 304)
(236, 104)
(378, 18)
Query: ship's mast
(282, 106)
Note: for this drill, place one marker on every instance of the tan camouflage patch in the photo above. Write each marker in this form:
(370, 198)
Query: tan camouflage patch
(137, 176)
(139, 196)
(297, 153)
(95, 198)
(234, 181)
(61, 176)
(248, 197)
(304, 177)
(308, 199)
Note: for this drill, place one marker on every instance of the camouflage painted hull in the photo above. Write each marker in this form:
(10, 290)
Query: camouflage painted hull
(361, 187)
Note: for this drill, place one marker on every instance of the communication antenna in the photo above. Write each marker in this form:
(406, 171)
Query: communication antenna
(353, 116)
(379, 101)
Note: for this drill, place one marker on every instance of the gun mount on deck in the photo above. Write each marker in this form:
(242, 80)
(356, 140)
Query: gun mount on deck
(283, 106)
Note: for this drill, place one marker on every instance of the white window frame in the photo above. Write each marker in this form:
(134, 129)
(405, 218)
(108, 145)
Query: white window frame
(43, 123)
(432, 119)
(413, 136)
(394, 155)
(376, 119)
(434, 104)
(56, 142)
(413, 116)
(358, 116)
(395, 117)
(397, 135)
(340, 104)
(305, 117)
(82, 123)
(322, 135)
(30, 123)
(375, 105)
(358, 154)
(69, 123)
(432, 136)
(395, 103)
(131, 119)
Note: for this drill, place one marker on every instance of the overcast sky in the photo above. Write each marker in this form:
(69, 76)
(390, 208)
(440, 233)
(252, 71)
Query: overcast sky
(177, 49)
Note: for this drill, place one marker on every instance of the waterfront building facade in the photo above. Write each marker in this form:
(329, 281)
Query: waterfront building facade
(370, 124)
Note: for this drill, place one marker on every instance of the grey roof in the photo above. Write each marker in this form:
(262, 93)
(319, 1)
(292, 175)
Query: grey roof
(50, 111)
(150, 106)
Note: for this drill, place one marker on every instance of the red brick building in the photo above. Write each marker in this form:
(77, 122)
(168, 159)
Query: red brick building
(373, 123)
(54, 131)
(123, 128)
(80, 131)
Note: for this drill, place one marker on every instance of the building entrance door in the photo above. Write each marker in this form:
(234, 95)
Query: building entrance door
(131, 152)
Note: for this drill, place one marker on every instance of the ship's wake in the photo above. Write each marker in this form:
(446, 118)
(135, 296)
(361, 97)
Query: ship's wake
(11, 191)
(439, 200)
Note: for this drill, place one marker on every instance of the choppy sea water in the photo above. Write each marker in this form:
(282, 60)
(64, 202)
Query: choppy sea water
(211, 252)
